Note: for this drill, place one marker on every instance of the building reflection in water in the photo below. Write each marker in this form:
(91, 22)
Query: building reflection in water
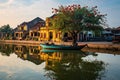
(29, 53)
(69, 65)
(60, 65)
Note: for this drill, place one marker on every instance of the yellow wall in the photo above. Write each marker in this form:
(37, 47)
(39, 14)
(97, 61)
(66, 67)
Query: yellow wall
(23, 27)
(45, 35)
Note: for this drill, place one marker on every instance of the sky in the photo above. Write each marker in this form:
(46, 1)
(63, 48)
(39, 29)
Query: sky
(14, 12)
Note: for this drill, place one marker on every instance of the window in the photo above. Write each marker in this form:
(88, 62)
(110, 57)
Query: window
(31, 34)
(56, 35)
(44, 35)
(21, 34)
(16, 34)
(35, 34)
(41, 35)
(22, 28)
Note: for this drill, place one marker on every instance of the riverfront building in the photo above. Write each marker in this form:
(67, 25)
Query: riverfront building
(22, 30)
(48, 34)
(40, 30)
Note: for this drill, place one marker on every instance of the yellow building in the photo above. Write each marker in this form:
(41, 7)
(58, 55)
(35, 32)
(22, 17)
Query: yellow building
(48, 34)
(34, 32)
(38, 30)
(21, 31)
(28, 29)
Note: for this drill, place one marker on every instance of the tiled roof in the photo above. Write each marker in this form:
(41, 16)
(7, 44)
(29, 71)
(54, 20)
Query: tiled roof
(52, 16)
(118, 28)
(31, 23)
(38, 25)
(23, 23)
(34, 21)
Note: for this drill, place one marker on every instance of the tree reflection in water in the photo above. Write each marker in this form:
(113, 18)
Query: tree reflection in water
(60, 65)
(75, 68)
(6, 49)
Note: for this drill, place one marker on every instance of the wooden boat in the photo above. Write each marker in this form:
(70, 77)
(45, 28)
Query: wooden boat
(61, 47)
(49, 51)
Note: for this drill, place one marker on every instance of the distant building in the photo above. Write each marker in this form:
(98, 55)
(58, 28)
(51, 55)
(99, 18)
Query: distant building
(116, 30)
(107, 34)
(34, 32)
(86, 35)
(22, 30)
(40, 30)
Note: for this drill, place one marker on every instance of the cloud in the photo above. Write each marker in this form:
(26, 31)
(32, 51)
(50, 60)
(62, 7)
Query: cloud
(25, 2)
(6, 2)
(20, 12)
(16, 3)
(26, 10)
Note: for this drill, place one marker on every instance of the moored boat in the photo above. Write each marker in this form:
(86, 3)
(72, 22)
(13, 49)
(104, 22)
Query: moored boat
(62, 47)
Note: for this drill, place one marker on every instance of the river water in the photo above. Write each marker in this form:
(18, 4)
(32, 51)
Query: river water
(19, 62)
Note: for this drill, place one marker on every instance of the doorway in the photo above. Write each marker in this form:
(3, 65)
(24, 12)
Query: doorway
(50, 36)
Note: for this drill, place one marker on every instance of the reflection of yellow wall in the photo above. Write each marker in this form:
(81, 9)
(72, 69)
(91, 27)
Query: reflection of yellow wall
(18, 49)
(34, 50)
(53, 56)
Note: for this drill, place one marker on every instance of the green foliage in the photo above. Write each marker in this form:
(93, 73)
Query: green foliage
(6, 49)
(6, 29)
(76, 68)
(74, 18)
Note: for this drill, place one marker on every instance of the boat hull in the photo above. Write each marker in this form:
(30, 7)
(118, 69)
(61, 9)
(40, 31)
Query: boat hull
(61, 47)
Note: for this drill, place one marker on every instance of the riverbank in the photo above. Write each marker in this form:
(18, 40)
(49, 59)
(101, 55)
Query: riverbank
(117, 52)
(103, 45)
(91, 45)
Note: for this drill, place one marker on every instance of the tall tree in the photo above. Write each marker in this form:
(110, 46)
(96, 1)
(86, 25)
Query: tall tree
(74, 19)
(6, 30)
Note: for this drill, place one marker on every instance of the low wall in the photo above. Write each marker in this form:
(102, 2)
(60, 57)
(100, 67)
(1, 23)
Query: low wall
(92, 45)
(104, 46)
(20, 42)
(117, 52)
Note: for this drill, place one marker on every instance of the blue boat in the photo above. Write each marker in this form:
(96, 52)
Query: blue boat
(62, 47)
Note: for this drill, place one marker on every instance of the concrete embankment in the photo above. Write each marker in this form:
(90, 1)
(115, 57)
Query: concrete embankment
(102, 45)
(101, 51)
(21, 42)
(92, 45)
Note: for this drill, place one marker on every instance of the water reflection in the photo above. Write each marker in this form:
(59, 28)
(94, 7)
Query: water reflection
(69, 65)
(6, 49)
(59, 65)
(30, 53)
